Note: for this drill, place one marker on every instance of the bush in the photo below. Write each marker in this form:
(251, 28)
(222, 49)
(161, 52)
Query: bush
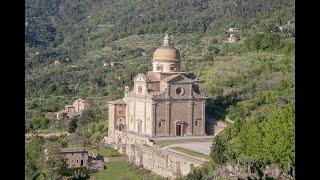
(72, 127)
(264, 42)
(38, 123)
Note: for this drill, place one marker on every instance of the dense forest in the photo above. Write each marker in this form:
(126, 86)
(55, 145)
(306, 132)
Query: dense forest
(251, 83)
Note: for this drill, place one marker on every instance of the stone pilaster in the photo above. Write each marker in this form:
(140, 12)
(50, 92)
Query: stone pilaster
(191, 91)
(134, 114)
(190, 124)
(127, 113)
(145, 118)
(154, 118)
(203, 116)
(168, 118)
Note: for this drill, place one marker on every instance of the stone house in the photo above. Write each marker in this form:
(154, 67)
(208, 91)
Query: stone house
(73, 110)
(76, 157)
(50, 115)
(163, 102)
(233, 35)
(80, 105)
(79, 157)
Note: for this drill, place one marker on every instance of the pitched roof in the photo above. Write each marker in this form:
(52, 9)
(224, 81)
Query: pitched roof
(152, 76)
(144, 77)
(185, 79)
(171, 77)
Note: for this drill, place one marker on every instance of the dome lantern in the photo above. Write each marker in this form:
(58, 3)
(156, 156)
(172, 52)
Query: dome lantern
(166, 40)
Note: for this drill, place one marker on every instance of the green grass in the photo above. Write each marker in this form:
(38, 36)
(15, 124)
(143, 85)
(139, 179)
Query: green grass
(121, 170)
(191, 153)
(117, 170)
(108, 152)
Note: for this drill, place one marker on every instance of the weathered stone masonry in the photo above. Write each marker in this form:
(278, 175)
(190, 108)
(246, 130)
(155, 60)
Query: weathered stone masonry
(164, 102)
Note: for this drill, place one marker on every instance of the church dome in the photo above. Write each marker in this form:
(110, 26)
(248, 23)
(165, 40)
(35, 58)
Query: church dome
(166, 52)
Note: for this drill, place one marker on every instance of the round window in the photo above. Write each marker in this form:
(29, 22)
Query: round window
(180, 91)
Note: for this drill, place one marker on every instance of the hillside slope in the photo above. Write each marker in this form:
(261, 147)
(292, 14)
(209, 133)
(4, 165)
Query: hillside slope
(250, 83)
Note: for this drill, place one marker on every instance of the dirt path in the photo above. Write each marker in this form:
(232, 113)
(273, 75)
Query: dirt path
(47, 135)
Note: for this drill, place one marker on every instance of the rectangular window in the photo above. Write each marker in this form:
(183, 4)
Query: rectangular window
(121, 112)
(197, 122)
(160, 123)
(159, 68)
(172, 68)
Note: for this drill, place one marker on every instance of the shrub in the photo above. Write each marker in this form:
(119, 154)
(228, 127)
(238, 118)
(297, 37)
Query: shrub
(72, 127)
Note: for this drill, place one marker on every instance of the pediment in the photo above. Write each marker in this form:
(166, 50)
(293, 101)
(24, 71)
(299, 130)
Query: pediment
(180, 79)
(141, 77)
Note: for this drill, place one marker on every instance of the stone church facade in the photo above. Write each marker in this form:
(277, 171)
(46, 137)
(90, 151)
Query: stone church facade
(163, 102)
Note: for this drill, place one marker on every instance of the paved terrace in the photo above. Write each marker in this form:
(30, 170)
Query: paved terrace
(201, 147)
(201, 144)
(182, 138)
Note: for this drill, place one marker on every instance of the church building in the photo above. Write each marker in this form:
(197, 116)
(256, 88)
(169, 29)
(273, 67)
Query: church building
(163, 102)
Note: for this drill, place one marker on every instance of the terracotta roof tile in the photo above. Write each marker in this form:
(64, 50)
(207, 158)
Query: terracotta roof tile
(152, 76)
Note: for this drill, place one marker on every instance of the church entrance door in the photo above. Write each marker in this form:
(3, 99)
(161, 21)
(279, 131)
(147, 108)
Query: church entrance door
(179, 130)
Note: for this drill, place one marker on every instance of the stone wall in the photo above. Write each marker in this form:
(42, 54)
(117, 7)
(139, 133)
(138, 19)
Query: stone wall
(218, 126)
(119, 137)
(157, 161)
(214, 127)
(138, 115)
(180, 111)
(141, 152)
(111, 116)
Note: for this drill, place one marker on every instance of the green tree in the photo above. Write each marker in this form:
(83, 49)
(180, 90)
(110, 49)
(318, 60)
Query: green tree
(40, 123)
(56, 162)
(72, 126)
(62, 90)
(278, 143)
(34, 156)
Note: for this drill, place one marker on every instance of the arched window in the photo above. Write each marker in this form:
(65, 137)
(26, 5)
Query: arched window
(120, 112)
(139, 89)
(121, 127)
